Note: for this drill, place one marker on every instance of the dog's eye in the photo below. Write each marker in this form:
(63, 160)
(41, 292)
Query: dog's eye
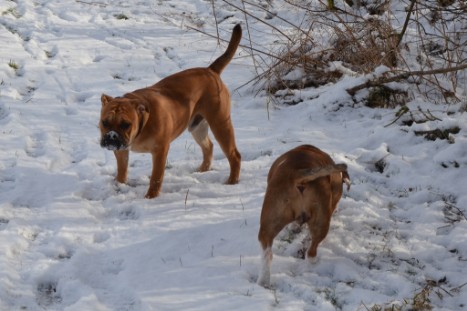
(105, 124)
(125, 125)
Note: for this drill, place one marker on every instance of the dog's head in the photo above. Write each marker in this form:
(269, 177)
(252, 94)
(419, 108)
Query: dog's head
(121, 121)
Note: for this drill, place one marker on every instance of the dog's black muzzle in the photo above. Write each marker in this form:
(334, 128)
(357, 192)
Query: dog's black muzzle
(112, 141)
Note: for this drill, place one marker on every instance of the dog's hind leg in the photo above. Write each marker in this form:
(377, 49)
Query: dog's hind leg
(224, 133)
(270, 226)
(319, 228)
(199, 130)
(264, 277)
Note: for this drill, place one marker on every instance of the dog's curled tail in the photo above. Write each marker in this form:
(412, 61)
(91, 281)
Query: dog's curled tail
(221, 62)
(307, 175)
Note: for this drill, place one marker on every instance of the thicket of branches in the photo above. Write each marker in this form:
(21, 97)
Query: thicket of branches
(427, 49)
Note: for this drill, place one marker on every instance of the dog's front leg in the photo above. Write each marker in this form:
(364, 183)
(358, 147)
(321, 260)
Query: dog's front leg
(122, 165)
(159, 158)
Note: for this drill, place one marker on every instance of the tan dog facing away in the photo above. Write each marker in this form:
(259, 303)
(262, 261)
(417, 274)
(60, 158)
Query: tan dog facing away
(149, 119)
(304, 185)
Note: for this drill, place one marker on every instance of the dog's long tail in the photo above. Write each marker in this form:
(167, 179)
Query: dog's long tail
(307, 175)
(220, 63)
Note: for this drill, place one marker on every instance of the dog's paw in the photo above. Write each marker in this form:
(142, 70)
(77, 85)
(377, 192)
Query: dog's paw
(151, 195)
(264, 280)
(231, 181)
(120, 180)
(204, 167)
(312, 260)
(154, 189)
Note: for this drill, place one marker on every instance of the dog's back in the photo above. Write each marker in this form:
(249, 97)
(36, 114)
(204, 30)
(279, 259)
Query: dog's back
(297, 159)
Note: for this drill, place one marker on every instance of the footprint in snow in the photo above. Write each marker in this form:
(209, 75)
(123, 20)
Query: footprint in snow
(97, 191)
(126, 213)
(101, 237)
(8, 176)
(79, 152)
(170, 53)
(114, 266)
(46, 294)
(81, 97)
(35, 144)
(3, 223)
(3, 113)
(51, 52)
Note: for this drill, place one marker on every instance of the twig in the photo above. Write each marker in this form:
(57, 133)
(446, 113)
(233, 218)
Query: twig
(258, 19)
(399, 114)
(428, 115)
(217, 24)
(406, 23)
(241, 45)
(446, 291)
(459, 211)
(102, 5)
(458, 288)
(186, 196)
(248, 48)
(249, 38)
(365, 306)
(278, 17)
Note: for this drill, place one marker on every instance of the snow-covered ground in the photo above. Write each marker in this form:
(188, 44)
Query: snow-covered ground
(72, 239)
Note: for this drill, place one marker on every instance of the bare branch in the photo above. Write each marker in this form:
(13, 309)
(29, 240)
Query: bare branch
(406, 23)
(401, 76)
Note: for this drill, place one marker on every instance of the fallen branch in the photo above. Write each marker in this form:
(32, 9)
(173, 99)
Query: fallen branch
(401, 76)
(402, 111)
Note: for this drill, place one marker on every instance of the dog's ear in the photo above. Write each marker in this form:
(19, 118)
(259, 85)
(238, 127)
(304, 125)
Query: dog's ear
(346, 179)
(141, 108)
(105, 99)
(143, 112)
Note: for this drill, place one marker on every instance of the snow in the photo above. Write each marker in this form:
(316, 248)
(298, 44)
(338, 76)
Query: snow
(73, 239)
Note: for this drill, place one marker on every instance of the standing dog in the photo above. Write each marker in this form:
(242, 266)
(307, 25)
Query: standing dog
(149, 119)
(304, 185)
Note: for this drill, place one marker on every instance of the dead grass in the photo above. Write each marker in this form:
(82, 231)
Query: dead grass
(360, 45)
(386, 97)
(365, 45)
(361, 37)
(422, 299)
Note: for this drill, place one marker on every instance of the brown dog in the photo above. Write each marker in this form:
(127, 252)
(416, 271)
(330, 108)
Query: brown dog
(304, 185)
(149, 119)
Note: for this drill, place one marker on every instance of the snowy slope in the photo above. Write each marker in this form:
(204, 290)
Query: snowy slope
(72, 239)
